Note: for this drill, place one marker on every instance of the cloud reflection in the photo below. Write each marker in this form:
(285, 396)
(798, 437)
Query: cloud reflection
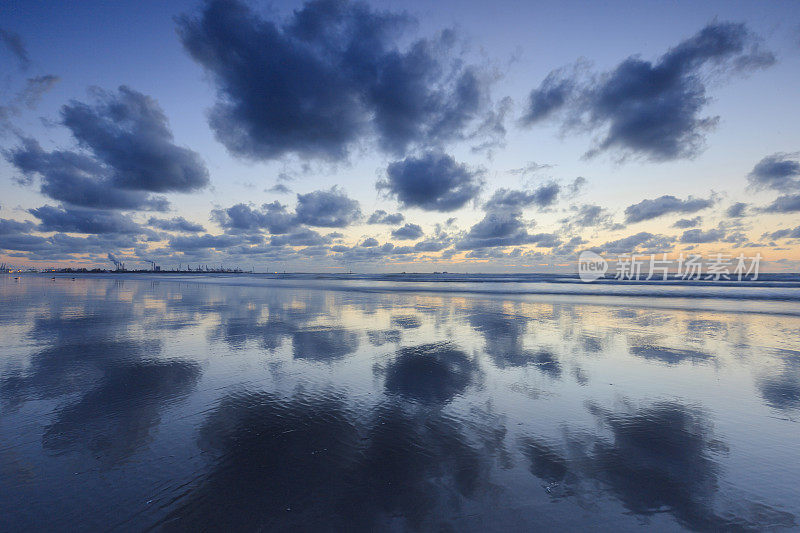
(296, 463)
(430, 373)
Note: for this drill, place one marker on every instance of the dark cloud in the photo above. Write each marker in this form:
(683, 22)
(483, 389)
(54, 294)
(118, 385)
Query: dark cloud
(61, 246)
(130, 155)
(543, 196)
(736, 210)
(779, 171)
(549, 98)
(688, 222)
(175, 224)
(77, 179)
(328, 209)
(369, 251)
(332, 73)
(408, 232)
(23, 242)
(80, 220)
(664, 205)
(129, 134)
(16, 46)
(698, 236)
(280, 188)
(8, 227)
(432, 245)
(640, 241)
(651, 109)
(242, 218)
(496, 230)
(787, 203)
(434, 182)
(575, 187)
(779, 234)
(589, 215)
(382, 217)
(570, 246)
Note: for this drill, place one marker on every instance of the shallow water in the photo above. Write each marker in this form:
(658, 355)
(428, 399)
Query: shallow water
(205, 402)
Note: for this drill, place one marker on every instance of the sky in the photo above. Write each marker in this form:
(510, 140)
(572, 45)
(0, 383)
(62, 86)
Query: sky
(386, 136)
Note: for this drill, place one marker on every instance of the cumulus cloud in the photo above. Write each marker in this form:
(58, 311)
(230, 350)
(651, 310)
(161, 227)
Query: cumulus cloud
(60, 245)
(787, 203)
(779, 171)
(8, 227)
(497, 230)
(77, 179)
(589, 215)
(243, 218)
(128, 133)
(736, 210)
(80, 220)
(650, 108)
(698, 236)
(433, 182)
(570, 246)
(642, 241)
(300, 237)
(550, 97)
(328, 76)
(382, 217)
(687, 222)
(329, 209)
(130, 155)
(408, 232)
(664, 205)
(175, 224)
(324, 208)
(786, 233)
(543, 196)
(576, 186)
(432, 245)
(371, 251)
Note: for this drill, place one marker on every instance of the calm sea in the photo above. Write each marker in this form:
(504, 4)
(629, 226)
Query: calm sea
(343, 403)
